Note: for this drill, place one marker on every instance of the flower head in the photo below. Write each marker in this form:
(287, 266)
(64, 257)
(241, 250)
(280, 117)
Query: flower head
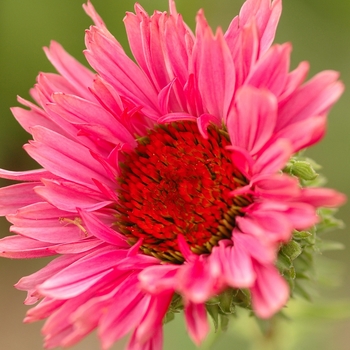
(161, 184)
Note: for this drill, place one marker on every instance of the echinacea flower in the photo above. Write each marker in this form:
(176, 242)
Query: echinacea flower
(162, 181)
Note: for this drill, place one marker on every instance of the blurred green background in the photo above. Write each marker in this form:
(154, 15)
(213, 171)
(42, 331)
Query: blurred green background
(320, 33)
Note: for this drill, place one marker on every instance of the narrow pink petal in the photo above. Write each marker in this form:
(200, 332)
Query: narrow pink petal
(295, 79)
(194, 281)
(178, 42)
(315, 97)
(77, 74)
(154, 343)
(69, 196)
(43, 310)
(86, 245)
(313, 128)
(267, 15)
(264, 253)
(102, 231)
(91, 12)
(271, 70)
(154, 316)
(81, 275)
(274, 158)
(80, 111)
(50, 83)
(30, 175)
(270, 227)
(107, 96)
(16, 196)
(185, 249)
(156, 279)
(251, 126)
(197, 322)
(322, 197)
(134, 259)
(242, 160)
(125, 311)
(277, 186)
(204, 121)
(65, 158)
(216, 72)
(53, 230)
(270, 292)
(28, 119)
(55, 266)
(174, 117)
(17, 247)
(237, 269)
(110, 61)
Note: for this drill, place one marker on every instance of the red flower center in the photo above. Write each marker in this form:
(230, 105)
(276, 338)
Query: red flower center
(177, 182)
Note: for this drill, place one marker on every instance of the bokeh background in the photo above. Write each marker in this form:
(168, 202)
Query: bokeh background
(320, 33)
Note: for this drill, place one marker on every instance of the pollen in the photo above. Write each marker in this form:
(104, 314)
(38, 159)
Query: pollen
(176, 182)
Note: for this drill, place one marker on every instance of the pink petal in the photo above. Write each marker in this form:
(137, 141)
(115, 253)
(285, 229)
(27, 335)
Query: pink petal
(156, 279)
(236, 265)
(314, 98)
(81, 275)
(65, 158)
(251, 126)
(273, 158)
(196, 321)
(322, 197)
(69, 196)
(79, 76)
(16, 196)
(97, 228)
(110, 61)
(276, 186)
(17, 247)
(271, 70)
(215, 69)
(31, 175)
(270, 292)
(267, 15)
(154, 316)
(55, 266)
(194, 281)
(154, 343)
(244, 46)
(43, 310)
(313, 131)
(79, 111)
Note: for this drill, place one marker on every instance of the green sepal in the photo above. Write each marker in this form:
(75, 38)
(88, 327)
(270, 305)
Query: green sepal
(323, 245)
(301, 235)
(292, 250)
(302, 169)
(213, 311)
(168, 317)
(224, 322)
(226, 301)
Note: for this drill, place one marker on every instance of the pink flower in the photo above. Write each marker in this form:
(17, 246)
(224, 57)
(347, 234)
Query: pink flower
(162, 178)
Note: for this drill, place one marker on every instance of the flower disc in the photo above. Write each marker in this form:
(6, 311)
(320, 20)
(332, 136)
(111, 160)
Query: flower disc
(177, 182)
